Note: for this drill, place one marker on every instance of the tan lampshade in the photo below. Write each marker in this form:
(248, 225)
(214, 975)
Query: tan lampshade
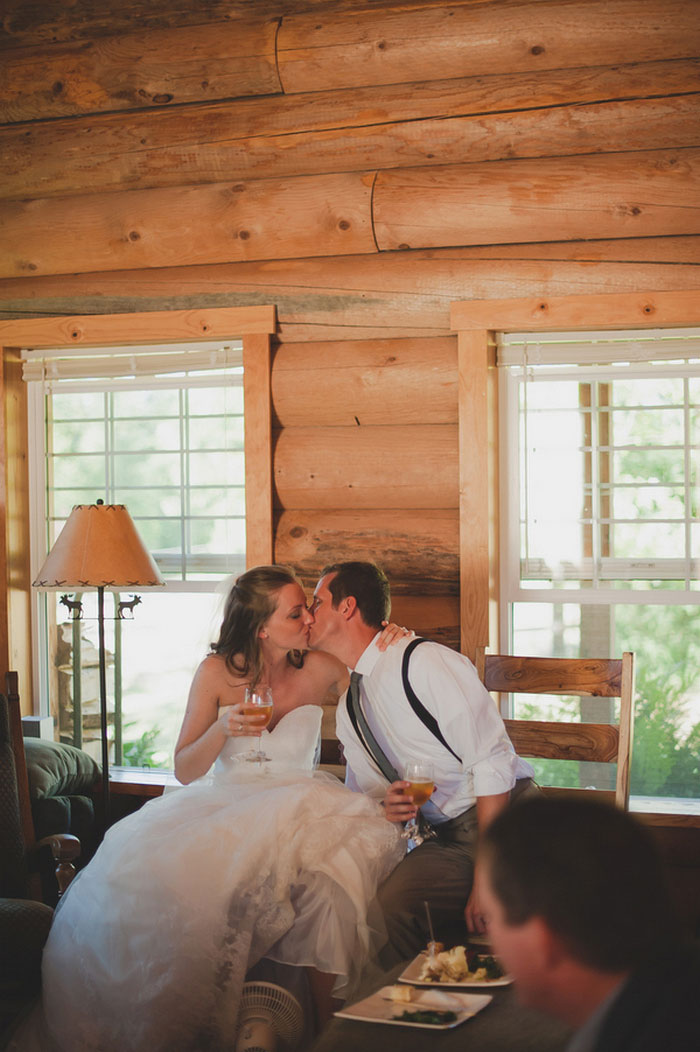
(99, 546)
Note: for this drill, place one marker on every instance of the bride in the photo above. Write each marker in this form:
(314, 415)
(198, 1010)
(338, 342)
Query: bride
(150, 947)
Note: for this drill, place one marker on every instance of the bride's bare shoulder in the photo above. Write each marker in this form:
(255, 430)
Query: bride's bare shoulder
(214, 670)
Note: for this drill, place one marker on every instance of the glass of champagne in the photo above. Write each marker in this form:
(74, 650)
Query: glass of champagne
(421, 777)
(258, 703)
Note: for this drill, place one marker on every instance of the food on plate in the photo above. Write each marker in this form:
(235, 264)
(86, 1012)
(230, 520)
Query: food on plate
(430, 1016)
(435, 948)
(456, 965)
(400, 992)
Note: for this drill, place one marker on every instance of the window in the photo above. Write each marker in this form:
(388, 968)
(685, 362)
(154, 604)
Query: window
(161, 431)
(600, 521)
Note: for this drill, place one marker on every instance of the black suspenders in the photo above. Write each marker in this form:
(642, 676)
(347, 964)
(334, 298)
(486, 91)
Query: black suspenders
(416, 704)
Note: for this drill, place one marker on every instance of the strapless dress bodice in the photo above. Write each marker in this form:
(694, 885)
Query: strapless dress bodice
(292, 744)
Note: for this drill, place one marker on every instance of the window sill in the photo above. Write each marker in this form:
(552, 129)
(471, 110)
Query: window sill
(656, 811)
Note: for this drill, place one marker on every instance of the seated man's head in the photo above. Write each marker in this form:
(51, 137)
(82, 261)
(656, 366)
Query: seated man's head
(350, 598)
(575, 896)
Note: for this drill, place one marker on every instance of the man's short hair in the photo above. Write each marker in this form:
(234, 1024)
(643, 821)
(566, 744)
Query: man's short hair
(590, 871)
(369, 586)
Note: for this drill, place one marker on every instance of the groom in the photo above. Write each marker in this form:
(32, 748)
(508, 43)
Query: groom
(416, 700)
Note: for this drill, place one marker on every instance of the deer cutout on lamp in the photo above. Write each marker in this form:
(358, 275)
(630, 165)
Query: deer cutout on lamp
(125, 609)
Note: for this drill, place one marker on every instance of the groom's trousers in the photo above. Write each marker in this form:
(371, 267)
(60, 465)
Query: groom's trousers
(440, 872)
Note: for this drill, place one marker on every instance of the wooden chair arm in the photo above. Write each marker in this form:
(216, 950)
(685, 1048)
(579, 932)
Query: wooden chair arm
(64, 848)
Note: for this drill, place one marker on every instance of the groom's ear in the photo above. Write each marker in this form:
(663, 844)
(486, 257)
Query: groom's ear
(348, 606)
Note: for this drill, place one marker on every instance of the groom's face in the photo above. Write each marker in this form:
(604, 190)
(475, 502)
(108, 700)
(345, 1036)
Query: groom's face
(328, 621)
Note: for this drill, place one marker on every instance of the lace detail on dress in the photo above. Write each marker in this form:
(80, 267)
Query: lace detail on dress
(153, 940)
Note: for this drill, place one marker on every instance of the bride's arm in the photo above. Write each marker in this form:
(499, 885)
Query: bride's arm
(204, 728)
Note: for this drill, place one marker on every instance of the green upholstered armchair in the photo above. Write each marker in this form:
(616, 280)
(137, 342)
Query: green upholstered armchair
(24, 922)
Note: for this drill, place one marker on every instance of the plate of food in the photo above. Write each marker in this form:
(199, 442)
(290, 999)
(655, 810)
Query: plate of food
(405, 1006)
(460, 966)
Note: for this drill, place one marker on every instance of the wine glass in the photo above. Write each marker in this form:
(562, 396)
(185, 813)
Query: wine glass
(421, 777)
(258, 703)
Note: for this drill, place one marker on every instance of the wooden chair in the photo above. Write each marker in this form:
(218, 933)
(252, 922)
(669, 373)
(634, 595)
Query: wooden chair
(582, 677)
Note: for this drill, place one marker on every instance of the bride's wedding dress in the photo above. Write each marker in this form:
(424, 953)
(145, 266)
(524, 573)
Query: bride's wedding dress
(151, 944)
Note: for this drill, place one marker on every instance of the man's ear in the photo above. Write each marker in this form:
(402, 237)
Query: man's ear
(348, 607)
(547, 945)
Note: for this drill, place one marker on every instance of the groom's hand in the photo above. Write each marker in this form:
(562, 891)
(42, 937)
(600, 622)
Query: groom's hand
(398, 807)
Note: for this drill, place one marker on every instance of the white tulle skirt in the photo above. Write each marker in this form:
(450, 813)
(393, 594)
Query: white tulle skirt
(151, 945)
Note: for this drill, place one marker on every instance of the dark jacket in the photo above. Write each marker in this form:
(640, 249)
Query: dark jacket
(658, 1009)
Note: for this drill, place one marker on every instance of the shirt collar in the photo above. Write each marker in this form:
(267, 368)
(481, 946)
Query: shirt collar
(368, 658)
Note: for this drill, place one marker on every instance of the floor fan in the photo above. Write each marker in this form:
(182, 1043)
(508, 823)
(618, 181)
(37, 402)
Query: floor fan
(270, 1019)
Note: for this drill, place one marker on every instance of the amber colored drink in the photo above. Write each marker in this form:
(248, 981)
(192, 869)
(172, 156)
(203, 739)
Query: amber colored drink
(263, 714)
(420, 792)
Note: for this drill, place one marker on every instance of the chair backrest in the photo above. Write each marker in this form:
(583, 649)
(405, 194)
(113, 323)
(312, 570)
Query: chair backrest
(567, 740)
(13, 864)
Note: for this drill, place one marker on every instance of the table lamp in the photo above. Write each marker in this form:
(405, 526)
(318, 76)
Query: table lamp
(99, 547)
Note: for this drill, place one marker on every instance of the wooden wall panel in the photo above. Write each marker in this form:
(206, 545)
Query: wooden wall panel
(366, 467)
(314, 215)
(650, 105)
(395, 294)
(155, 68)
(614, 195)
(350, 50)
(366, 382)
(418, 550)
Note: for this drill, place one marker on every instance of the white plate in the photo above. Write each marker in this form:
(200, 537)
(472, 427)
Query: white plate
(379, 1008)
(411, 974)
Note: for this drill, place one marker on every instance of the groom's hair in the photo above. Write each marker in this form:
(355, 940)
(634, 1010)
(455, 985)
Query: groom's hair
(367, 584)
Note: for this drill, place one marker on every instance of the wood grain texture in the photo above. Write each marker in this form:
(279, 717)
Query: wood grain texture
(154, 68)
(641, 106)
(615, 310)
(613, 195)
(366, 382)
(587, 677)
(474, 491)
(418, 550)
(391, 47)
(146, 327)
(564, 741)
(314, 215)
(366, 467)
(396, 294)
(258, 450)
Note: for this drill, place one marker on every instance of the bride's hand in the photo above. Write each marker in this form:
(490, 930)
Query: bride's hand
(391, 634)
(236, 725)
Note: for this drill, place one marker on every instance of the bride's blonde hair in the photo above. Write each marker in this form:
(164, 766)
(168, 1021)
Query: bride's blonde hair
(249, 605)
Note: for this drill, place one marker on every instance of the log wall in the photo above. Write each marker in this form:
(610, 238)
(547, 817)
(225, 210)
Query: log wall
(361, 165)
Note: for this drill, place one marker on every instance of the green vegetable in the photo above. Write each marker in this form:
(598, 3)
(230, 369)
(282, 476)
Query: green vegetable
(433, 1017)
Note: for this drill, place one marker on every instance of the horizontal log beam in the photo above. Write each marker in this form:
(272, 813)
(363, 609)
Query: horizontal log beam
(366, 382)
(154, 68)
(221, 222)
(397, 294)
(614, 195)
(396, 46)
(642, 105)
(366, 467)
(644, 194)
(419, 552)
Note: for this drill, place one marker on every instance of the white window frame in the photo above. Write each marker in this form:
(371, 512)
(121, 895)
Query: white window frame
(254, 326)
(550, 356)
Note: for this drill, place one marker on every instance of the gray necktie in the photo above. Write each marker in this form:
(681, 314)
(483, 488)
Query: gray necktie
(370, 743)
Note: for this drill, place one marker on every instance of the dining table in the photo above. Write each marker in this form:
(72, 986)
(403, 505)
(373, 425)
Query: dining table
(504, 1025)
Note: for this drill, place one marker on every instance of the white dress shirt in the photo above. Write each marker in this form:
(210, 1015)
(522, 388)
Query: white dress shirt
(448, 686)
